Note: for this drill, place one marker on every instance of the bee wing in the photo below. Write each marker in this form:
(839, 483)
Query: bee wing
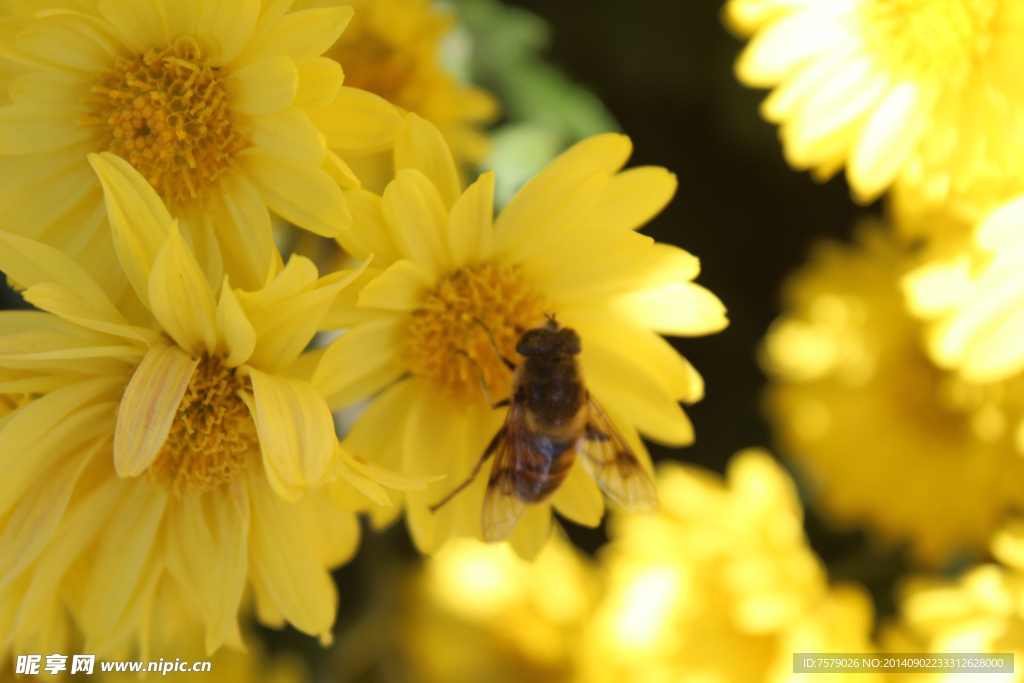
(611, 462)
(502, 508)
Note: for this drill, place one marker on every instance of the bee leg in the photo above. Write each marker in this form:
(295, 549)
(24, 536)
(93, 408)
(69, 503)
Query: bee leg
(483, 383)
(509, 364)
(488, 452)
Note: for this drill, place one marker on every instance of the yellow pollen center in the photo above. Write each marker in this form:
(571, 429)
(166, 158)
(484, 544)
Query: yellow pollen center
(444, 334)
(929, 39)
(167, 113)
(210, 436)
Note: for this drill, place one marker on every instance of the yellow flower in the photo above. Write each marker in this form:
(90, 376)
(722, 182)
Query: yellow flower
(565, 245)
(478, 612)
(886, 437)
(924, 91)
(976, 299)
(979, 612)
(392, 49)
(224, 106)
(720, 586)
(165, 455)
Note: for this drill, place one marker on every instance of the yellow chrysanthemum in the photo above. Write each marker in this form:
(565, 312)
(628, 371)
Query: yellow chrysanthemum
(567, 245)
(478, 612)
(924, 91)
(981, 612)
(720, 586)
(224, 106)
(392, 49)
(172, 456)
(976, 299)
(886, 437)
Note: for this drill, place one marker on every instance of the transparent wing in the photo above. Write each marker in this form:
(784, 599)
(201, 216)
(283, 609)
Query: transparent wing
(611, 462)
(502, 508)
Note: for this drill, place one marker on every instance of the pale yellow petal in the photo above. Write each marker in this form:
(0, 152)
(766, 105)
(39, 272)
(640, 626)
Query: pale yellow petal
(532, 532)
(887, 140)
(361, 362)
(140, 25)
(71, 39)
(302, 34)
(229, 22)
(370, 233)
(337, 168)
(148, 407)
(305, 195)
(295, 427)
(264, 87)
(60, 345)
(634, 197)
(139, 220)
(334, 532)
(684, 309)
(579, 499)
(241, 220)
(358, 119)
(471, 222)
(180, 297)
(33, 522)
(422, 147)
(289, 135)
(628, 387)
(400, 288)
(234, 328)
(72, 306)
(285, 562)
(548, 206)
(417, 219)
(319, 81)
(610, 151)
(33, 128)
(120, 559)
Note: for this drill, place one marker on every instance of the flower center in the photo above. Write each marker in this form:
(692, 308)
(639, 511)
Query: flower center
(211, 434)
(929, 39)
(167, 113)
(378, 66)
(444, 333)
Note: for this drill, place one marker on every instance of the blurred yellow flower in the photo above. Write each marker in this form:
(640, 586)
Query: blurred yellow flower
(886, 437)
(924, 91)
(720, 586)
(982, 611)
(479, 613)
(393, 48)
(224, 106)
(566, 244)
(976, 299)
(168, 452)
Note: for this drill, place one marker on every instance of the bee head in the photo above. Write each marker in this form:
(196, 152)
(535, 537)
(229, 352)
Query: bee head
(550, 340)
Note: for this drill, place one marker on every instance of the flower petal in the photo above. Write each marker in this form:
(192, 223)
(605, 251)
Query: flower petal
(234, 328)
(230, 22)
(532, 532)
(288, 134)
(471, 222)
(33, 128)
(319, 81)
(610, 151)
(579, 498)
(361, 362)
(148, 408)
(400, 288)
(241, 220)
(633, 198)
(304, 195)
(358, 120)
(138, 218)
(422, 147)
(285, 562)
(180, 297)
(417, 219)
(302, 34)
(370, 233)
(264, 87)
(682, 308)
(71, 39)
(295, 427)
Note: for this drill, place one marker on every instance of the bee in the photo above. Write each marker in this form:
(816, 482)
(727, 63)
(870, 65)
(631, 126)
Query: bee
(552, 421)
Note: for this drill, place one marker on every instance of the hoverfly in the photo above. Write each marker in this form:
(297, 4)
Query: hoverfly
(552, 419)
